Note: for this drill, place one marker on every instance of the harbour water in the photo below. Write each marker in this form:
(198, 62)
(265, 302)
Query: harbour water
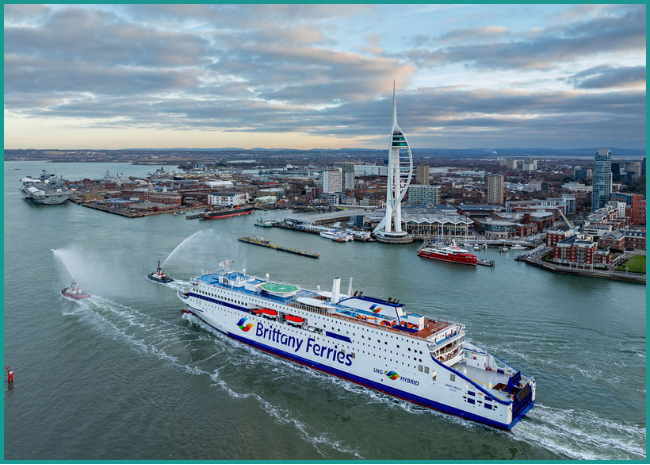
(123, 376)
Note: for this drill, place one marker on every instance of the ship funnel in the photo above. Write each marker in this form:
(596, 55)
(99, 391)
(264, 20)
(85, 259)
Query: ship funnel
(350, 287)
(336, 290)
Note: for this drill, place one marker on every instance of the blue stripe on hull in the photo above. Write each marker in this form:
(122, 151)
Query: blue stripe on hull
(368, 383)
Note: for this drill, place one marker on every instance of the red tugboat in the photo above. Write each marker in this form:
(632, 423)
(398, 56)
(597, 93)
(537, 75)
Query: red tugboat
(452, 253)
(73, 292)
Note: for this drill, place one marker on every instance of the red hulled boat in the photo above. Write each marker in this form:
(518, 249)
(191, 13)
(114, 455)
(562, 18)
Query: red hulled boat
(73, 292)
(452, 254)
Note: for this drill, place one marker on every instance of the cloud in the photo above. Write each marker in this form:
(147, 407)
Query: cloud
(21, 13)
(613, 33)
(91, 36)
(475, 33)
(605, 76)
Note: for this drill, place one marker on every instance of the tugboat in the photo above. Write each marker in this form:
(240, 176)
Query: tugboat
(159, 276)
(74, 292)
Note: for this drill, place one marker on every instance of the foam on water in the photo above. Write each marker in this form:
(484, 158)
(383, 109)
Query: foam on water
(581, 435)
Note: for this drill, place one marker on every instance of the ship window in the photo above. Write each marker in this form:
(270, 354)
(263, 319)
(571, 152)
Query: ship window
(419, 367)
(426, 370)
(452, 377)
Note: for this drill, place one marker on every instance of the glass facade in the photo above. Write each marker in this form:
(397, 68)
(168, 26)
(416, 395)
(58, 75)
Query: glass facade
(602, 179)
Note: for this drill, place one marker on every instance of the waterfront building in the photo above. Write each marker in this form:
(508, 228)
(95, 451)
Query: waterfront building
(424, 194)
(332, 181)
(400, 172)
(422, 175)
(580, 250)
(495, 189)
(496, 229)
(228, 199)
(602, 179)
(553, 236)
(623, 239)
(577, 187)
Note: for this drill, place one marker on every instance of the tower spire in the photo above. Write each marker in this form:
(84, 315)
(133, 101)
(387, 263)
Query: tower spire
(394, 106)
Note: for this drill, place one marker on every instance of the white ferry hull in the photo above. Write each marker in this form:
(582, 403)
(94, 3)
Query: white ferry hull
(343, 354)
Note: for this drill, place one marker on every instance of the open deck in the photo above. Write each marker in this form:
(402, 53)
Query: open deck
(485, 379)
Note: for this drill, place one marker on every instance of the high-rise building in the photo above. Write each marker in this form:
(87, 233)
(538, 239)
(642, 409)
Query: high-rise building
(400, 172)
(424, 194)
(633, 169)
(582, 173)
(495, 189)
(422, 175)
(602, 177)
(332, 181)
(348, 176)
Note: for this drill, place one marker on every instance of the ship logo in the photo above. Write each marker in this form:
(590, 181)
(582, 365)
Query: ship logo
(375, 308)
(392, 375)
(243, 325)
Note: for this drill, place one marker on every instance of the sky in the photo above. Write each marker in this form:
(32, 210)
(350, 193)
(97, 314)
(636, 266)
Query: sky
(321, 76)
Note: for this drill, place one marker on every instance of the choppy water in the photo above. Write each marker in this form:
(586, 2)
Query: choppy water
(124, 375)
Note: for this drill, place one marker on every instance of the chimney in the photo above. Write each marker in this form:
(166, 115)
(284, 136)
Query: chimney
(336, 290)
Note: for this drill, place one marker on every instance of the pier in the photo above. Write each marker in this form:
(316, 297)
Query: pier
(265, 243)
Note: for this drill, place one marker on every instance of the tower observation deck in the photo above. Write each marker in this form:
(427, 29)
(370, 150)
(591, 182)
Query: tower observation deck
(400, 172)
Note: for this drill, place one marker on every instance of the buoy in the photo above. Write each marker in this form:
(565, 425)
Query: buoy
(10, 377)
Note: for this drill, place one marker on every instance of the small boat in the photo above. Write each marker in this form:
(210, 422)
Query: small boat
(477, 247)
(504, 249)
(266, 312)
(517, 247)
(73, 292)
(159, 276)
(294, 320)
(264, 223)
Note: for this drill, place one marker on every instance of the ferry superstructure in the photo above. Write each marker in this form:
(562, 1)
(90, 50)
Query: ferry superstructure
(369, 341)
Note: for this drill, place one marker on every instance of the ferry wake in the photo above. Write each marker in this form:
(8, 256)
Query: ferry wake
(369, 341)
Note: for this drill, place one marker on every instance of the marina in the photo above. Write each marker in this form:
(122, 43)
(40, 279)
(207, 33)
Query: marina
(260, 241)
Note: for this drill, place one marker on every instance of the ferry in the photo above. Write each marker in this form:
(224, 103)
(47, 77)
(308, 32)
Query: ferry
(370, 341)
(452, 253)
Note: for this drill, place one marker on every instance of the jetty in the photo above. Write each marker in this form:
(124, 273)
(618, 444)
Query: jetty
(255, 240)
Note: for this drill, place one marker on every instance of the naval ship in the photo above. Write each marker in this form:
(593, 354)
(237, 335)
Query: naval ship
(370, 341)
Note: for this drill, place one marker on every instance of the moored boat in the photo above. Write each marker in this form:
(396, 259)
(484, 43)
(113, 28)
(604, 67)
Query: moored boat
(451, 254)
(227, 213)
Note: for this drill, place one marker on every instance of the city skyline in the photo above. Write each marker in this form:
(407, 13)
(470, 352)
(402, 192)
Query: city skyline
(320, 76)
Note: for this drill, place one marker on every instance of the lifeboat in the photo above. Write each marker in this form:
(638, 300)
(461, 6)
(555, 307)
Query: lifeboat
(294, 320)
(267, 312)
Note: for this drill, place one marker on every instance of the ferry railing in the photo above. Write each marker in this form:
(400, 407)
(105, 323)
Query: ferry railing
(386, 329)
